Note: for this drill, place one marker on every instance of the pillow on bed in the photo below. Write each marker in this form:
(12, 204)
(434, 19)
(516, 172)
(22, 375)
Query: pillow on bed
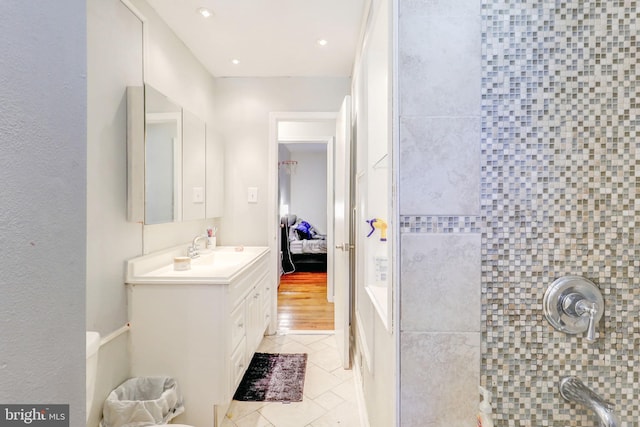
(305, 230)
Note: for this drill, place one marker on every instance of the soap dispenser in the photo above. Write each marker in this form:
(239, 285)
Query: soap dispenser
(485, 409)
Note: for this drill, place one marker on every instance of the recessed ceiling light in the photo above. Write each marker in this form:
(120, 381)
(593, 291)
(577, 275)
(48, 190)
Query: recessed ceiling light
(322, 42)
(235, 61)
(205, 12)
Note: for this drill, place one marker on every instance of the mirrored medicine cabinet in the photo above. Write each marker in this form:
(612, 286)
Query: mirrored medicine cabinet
(174, 161)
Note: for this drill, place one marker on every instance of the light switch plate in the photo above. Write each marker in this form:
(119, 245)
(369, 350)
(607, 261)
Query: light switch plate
(198, 195)
(252, 194)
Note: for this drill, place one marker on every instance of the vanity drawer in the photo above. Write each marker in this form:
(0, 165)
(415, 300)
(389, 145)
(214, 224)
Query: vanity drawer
(238, 326)
(241, 286)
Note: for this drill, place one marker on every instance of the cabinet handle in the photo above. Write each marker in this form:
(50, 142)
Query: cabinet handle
(240, 325)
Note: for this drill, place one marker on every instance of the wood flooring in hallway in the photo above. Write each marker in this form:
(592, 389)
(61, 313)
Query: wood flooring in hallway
(302, 302)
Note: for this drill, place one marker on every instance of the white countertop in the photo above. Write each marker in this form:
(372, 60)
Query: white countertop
(218, 266)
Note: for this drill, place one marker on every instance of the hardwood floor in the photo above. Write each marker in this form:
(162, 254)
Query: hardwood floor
(302, 302)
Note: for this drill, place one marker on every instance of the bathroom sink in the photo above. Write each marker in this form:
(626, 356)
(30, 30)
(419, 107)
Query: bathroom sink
(222, 257)
(217, 266)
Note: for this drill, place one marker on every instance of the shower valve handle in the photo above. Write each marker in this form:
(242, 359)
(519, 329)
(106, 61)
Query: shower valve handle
(590, 309)
(573, 304)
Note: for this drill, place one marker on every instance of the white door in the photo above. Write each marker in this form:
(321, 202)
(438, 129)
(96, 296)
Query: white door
(341, 230)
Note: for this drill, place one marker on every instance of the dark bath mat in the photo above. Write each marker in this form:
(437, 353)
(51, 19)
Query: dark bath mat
(273, 377)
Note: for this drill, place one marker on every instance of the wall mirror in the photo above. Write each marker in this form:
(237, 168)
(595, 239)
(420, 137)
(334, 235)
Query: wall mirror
(163, 158)
(167, 156)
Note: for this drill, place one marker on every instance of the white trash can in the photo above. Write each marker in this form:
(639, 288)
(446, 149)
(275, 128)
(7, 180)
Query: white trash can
(142, 401)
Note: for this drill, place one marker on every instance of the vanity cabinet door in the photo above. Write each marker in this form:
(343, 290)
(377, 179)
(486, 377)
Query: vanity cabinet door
(266, 304)
(254, 319)
(238, 364)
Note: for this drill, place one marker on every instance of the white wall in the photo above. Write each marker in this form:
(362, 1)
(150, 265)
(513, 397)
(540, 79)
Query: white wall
(306, 130)
(42, 213)
(309, 188)
(114, 58)
(114, 61)
(244, 107)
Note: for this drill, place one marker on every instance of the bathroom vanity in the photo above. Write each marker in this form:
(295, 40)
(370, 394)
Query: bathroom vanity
(199, 326)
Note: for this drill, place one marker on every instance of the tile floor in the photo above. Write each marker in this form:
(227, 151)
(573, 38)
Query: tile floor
(329, 391)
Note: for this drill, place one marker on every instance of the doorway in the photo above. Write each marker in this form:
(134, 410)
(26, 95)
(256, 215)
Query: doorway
(302, 147)
(304, 300)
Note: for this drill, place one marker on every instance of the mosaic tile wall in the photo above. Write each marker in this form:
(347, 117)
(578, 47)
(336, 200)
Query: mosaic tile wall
(560, 174)
(560, 116)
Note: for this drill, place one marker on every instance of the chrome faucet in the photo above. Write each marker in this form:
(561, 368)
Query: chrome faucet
(193, 250)
(573, 390)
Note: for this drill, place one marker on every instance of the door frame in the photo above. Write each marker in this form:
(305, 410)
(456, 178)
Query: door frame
(273, 215)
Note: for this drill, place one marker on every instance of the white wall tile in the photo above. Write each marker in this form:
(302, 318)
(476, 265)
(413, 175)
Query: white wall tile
(440, 275)
(439, 58)
(439, 377)
(440, 166)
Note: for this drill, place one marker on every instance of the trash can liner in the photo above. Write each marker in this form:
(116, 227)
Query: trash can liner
(143, 401)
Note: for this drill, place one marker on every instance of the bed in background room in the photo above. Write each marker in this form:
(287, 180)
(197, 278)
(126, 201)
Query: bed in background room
(303, 248)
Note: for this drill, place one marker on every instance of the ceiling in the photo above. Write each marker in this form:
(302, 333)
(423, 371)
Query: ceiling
(269, 38)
